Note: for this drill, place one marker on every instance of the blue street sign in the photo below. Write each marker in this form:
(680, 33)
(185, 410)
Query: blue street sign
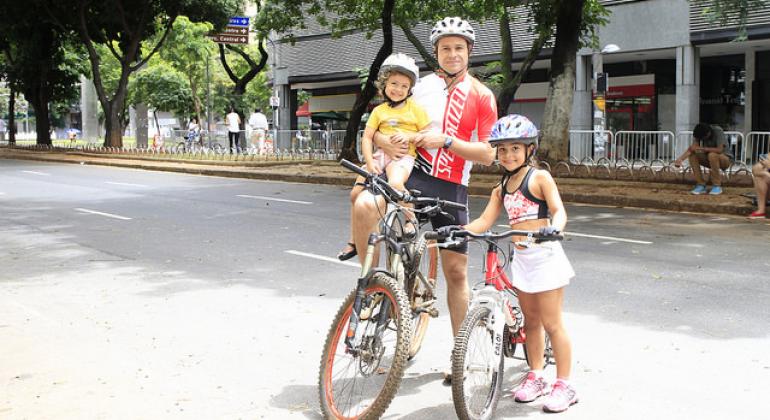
(239, 21)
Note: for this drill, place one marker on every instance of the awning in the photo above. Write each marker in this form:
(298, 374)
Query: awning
(330, 115)
(304, 110)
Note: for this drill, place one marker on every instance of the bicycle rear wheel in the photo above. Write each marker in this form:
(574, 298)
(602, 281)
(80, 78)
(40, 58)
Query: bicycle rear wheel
(425, 265)
(362, 385)
(477, 372)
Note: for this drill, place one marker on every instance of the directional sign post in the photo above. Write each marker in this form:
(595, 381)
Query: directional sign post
(237, 32)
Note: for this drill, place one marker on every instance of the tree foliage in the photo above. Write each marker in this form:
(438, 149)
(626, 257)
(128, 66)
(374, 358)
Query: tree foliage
(121, 26)
(39, 61)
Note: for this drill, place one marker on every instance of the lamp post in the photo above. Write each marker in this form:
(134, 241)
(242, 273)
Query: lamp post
(601, 85)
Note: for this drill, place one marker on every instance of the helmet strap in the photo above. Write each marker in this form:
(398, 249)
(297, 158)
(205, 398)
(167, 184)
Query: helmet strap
(391, 102)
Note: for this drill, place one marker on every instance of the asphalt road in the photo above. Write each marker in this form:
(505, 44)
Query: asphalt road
(133, 294)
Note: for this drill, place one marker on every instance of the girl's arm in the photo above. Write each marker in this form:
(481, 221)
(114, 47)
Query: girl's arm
(489, 216)
(547, 187)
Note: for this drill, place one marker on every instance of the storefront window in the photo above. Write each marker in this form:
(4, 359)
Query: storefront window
(722, 91)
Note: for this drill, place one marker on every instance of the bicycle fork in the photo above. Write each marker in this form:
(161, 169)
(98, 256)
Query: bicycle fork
(358, 301)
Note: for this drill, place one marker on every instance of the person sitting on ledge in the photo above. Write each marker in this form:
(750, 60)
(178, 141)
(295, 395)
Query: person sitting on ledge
(708, 149)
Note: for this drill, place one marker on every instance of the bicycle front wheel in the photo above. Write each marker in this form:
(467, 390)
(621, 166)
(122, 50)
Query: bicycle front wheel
(422, 297)
(362, 383)
(477, 373)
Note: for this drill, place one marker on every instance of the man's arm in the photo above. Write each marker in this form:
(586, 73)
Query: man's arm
(479, 151)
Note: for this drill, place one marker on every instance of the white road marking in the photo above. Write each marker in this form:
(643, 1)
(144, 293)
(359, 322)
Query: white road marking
(322, 258)
(114, 216)
(36, 173)
(610, 238)
(126, 184)
(259, 197)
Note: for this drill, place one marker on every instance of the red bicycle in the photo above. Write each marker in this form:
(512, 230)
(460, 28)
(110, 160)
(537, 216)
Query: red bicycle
(492, 329)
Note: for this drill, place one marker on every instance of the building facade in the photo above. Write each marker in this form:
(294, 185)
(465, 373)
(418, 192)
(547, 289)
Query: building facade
(672, 68)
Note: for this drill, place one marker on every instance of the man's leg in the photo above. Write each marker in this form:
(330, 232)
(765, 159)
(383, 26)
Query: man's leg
(366, 211)
(455, 266)
(717, 162)
(696, 160)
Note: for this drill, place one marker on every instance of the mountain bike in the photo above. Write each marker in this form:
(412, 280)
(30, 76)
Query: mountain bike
(491, 331)
(382, 322)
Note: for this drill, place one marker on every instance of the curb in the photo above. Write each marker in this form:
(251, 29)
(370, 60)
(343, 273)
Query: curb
(479, 188)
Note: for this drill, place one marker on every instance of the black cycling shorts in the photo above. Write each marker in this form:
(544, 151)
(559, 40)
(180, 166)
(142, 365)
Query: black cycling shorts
(445, 190)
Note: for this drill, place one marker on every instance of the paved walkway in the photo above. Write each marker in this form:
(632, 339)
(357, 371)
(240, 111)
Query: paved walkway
(614, 193)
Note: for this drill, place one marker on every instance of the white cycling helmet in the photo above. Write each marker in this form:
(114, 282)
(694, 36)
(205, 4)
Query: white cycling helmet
(403, 64)
(452, 26)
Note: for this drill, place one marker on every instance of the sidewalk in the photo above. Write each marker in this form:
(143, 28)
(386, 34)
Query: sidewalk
(607, 192)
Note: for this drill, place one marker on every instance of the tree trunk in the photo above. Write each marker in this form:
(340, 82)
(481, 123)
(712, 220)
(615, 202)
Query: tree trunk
(505, 97)
(558, 105)
(508, 91)
(12, 117)
(113, 136)
(39, 101)
(426, 55)
(349, 147)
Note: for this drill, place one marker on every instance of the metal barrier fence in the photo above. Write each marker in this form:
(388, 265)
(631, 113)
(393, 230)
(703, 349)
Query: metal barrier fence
(645, 146)
(588, 146)
(757, 143)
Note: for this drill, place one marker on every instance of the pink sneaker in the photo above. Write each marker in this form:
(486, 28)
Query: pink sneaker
(530, 389)
(561, 398)
(756, 215)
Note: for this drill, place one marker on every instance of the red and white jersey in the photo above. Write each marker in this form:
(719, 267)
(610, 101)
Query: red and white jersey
(467, 113)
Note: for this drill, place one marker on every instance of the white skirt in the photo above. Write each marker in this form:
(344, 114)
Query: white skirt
(540, 268)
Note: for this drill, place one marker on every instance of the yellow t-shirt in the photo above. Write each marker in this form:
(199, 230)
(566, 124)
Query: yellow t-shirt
(409, 118)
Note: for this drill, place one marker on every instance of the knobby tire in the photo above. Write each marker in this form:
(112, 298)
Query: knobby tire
(332, 397)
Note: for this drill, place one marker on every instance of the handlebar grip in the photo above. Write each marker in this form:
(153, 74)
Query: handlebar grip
(453, 205)
(353, 167)
(549, 238)
(432, 235)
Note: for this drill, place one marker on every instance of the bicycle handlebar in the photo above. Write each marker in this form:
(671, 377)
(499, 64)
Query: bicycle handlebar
(396, 196)
(494, 237)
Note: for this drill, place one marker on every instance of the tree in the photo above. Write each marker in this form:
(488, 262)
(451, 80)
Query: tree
(163, 88)
(40, 62)
(186, 49)
(121, 26)
(558, 105)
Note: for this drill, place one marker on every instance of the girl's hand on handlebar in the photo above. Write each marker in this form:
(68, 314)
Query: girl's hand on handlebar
(549, 231)
(373, 167)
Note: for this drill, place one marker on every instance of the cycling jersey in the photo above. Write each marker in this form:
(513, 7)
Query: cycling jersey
(467, 113)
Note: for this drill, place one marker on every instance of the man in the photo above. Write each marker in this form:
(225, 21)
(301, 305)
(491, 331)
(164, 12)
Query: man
(709, 149)
(462, 111)
(259, 126)
(2, 129)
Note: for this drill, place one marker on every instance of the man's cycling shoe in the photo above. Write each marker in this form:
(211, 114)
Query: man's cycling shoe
(346, 255)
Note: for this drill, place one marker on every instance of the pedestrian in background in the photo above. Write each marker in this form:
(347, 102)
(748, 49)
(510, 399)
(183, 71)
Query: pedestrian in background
(761, 171)
(2, 129)
(708, 149)
(258, 125)
(233, 128)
